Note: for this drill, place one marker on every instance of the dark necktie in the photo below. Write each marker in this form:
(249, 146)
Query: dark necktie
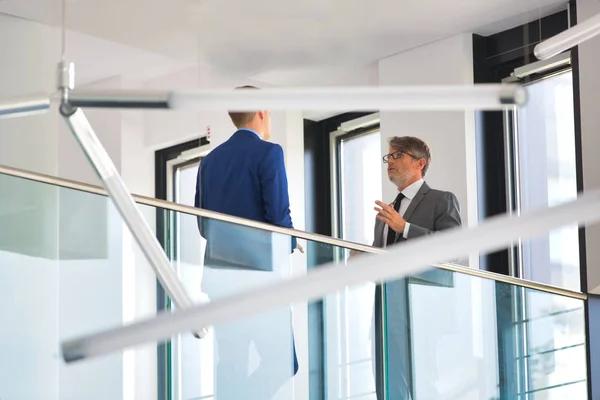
(391, 236)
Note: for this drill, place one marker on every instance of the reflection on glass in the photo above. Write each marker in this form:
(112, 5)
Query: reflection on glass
(548, 177)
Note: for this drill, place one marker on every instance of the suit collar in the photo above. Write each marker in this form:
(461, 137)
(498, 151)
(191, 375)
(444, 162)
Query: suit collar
(247, 131)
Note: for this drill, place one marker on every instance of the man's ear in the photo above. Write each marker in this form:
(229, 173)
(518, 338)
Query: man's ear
(261, 114)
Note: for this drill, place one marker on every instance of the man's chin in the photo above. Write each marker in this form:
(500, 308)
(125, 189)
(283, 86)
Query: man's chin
(395, 180)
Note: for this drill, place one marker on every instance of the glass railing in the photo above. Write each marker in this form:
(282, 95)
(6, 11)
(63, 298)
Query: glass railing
(69, 267)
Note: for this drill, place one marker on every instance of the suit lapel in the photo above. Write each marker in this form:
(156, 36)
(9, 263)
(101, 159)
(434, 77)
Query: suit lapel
(414, 203)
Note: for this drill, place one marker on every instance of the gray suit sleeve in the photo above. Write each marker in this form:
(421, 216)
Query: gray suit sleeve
(447, 215)
(374, 233)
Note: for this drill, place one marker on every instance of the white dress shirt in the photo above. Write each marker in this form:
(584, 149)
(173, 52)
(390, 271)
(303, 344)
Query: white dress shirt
(409, 193)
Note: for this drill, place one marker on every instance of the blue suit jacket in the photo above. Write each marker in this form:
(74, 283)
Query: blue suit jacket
(244, 177)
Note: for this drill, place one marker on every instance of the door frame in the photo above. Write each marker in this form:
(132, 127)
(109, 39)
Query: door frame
(165, 162)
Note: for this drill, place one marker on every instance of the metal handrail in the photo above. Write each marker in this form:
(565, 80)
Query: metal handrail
(149, 201)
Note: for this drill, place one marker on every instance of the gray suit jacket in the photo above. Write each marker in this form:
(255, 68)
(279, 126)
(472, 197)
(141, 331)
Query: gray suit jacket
(429, 211)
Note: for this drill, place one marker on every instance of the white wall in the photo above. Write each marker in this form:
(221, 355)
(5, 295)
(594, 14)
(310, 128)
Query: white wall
(288, 131)
(589, 86)
(33, 51)
(450, 135)
(28, 218)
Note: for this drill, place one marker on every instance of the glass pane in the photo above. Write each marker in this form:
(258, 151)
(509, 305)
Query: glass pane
(555, 332)
(29, 274)
(466, 341)
(472, 339)
(546, 140)
(452, 335)
(252, 357)
(457, 338)
(68, 267)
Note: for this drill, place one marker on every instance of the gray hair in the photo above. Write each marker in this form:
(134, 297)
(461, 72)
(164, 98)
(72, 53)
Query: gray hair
(412, 146)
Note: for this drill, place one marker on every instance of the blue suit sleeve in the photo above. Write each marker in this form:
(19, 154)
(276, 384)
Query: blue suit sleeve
(274, 186)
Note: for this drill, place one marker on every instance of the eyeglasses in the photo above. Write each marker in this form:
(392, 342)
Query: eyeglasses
(396, 155)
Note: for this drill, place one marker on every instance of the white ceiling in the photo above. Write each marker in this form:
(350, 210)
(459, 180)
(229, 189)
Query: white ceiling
(278, 42)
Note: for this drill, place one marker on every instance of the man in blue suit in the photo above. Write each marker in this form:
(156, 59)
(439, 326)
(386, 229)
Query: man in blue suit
(246, 177)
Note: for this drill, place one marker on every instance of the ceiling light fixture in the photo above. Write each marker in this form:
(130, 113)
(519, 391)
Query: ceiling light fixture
(569, 38)
(375, 98)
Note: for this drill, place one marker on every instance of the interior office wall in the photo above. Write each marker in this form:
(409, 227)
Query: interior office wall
(587, 84)
(450, 135)
(28, 67)
(589, 87)
(29, 217)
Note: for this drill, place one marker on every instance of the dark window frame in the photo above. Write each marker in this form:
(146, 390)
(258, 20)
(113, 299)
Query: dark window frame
(318, 207)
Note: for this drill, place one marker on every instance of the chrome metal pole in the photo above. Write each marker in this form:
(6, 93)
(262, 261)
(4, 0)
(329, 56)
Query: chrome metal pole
(120, 195)
(24, 106)
(140, 99)
(509, 169)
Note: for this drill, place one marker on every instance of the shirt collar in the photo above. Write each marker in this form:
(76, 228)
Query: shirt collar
(411, 190)
(250, 130)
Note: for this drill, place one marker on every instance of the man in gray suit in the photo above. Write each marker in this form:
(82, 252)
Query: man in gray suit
(417, 211)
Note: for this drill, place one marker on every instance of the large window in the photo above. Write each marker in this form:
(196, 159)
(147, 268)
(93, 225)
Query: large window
(360, 185)
(542, 161)
(545, 174)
